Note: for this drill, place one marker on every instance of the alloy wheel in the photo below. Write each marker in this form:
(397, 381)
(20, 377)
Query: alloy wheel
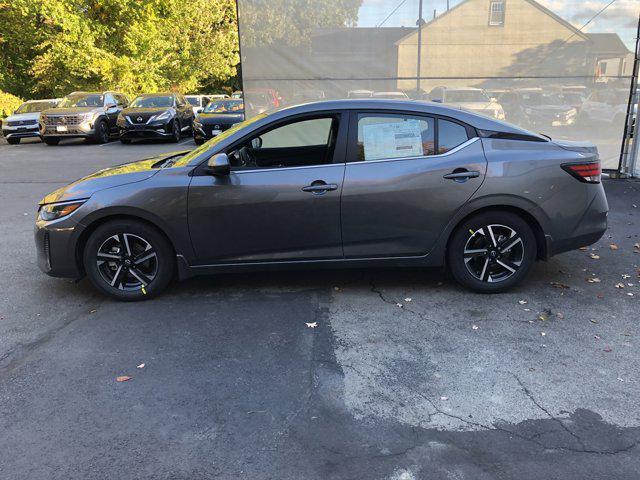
(104, 133)
(127, 261)
(493, 253)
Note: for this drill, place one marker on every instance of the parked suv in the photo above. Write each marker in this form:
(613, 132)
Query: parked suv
(24, 121)
(474, 99)
(156, 115)
(90, 115)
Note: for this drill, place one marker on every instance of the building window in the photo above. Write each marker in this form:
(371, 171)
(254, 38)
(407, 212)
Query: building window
(496, 13)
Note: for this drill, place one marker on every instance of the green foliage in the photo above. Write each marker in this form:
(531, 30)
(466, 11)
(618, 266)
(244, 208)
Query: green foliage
(8, 103)
(51, 47)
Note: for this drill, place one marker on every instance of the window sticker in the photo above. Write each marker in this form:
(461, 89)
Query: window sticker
(392, 140)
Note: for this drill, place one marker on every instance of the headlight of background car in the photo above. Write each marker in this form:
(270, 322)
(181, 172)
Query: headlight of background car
(163, 116)
(53, 211)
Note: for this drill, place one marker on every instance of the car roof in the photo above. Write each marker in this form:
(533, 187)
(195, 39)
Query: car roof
(476, 120)
(157, 94)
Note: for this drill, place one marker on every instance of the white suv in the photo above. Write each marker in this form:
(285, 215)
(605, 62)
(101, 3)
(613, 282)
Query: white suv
(24, 121)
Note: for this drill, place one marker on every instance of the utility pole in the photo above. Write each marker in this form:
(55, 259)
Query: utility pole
(419, 45)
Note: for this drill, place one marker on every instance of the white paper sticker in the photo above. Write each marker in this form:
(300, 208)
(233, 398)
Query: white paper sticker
(392, 140)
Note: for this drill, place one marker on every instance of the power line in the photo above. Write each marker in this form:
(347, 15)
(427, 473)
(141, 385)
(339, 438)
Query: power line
(392, 12)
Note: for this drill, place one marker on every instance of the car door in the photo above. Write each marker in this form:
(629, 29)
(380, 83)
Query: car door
(281, 201)
(406, 177)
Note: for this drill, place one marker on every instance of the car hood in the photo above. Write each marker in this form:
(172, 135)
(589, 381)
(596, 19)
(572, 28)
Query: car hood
(145, 111)
(70, 111)
(221, 118)
(17, 117)
(108, 178)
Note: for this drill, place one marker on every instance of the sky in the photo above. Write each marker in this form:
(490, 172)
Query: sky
(620, 17)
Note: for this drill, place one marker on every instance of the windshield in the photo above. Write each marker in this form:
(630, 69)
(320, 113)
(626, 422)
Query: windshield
(31, 107)
(163, 101)
(82, 100)
(211, 144)
(225, 106)
(195, 101)
(466, 96)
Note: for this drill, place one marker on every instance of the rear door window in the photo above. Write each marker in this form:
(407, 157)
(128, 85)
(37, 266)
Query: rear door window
(388, 136)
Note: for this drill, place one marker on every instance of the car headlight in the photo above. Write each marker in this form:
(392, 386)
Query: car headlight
(89, 116)
(163, 116)
(53, 211)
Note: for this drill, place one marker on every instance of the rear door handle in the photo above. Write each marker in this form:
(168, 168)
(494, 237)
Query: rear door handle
(317, 187)
(461, 175)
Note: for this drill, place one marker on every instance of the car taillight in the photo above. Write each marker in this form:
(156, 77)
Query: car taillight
(588, 172)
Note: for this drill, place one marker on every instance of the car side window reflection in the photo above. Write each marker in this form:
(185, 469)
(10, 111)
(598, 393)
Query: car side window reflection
(388, 136)
(450, 135)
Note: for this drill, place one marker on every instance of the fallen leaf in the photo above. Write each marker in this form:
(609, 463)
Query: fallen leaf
(337, 289)
(608, 349)
(560, 315)
(626, 275)
(123, 378)
(408, 299)
(522, 302)
(312, 324)
(584, 249)
(597, 337)
(544, 316)
(140, 366)
(474, 327)
(543, 334)
(593, 321)
(619, 285)
(92, 311)
(630, 294)
(593, 280)
(559, 285)
(527, 309)
(595, 256)
(399, 305)
(444, 398)
(613, 246)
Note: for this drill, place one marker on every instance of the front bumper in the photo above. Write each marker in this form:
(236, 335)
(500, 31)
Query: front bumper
(55, 248)
(81, 130)
(206, 132)
(152, 130)
(21, 132)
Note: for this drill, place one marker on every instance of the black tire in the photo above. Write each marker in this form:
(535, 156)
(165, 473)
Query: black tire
(175, 130)
(505, 261)
(101, 134)
(13, 141)
(51, 140)
(125, 141)
(128, 277)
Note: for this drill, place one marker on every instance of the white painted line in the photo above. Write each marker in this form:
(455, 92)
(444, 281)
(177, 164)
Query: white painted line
(115, 142)
(185, 141)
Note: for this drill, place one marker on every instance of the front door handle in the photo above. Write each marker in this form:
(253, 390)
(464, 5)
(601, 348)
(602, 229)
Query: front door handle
(461, 175)
(319, 187)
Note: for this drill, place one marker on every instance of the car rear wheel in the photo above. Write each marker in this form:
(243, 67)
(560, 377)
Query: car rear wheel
(13, 141)
(51, 140)
(101, 132)
(128, 260)
(491, 252)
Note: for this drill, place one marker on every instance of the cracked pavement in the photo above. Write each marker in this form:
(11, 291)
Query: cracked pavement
(406, 376)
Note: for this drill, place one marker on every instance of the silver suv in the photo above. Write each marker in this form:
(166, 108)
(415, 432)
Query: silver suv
(24, 121)
(90, 115)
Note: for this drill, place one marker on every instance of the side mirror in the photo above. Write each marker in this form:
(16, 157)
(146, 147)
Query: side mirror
(219, 164)
(109, 106)
(198, 110)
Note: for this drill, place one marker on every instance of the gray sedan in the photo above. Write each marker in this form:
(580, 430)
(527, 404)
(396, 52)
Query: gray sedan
(341, 183)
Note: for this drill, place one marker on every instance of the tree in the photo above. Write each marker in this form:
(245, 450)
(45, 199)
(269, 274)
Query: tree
(51, 47)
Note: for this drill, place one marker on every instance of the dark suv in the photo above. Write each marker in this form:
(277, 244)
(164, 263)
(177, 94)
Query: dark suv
(156, 115)
(90, 115)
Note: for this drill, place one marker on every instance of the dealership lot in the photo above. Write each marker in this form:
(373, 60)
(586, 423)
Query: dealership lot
(405, 375)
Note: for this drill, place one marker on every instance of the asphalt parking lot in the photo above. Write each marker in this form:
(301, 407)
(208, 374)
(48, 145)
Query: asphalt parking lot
(405, 376)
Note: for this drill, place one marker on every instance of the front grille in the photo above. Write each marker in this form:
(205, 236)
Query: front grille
(62, 119)
(19, 123)
(141, 118)
(208, 129)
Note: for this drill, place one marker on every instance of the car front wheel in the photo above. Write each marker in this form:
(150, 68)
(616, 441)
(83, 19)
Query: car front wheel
(175, 130)
(492, 252)
(13, 141)
(128, 260)
(102, 132)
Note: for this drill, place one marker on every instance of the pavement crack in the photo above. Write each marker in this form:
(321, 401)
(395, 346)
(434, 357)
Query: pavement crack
(531, 397)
